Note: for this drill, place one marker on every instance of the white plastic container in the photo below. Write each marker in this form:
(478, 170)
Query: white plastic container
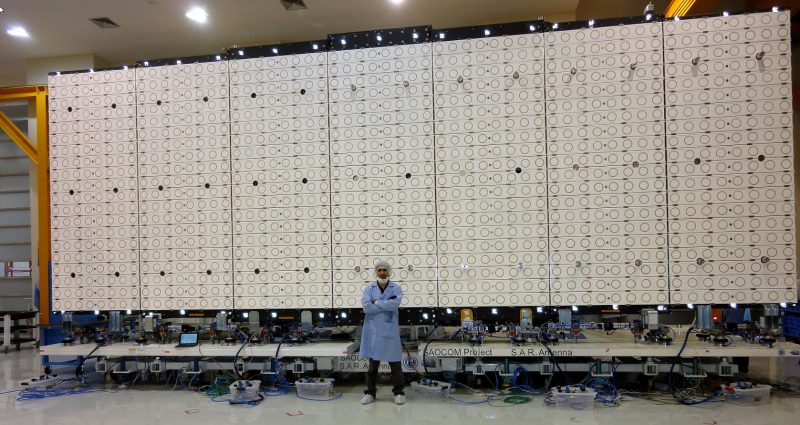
(573, 397)
(244, 391)
(747, 393)
(431, 388)
(317, 388)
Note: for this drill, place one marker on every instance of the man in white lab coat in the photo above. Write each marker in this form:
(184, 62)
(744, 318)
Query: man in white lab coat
(380, 337)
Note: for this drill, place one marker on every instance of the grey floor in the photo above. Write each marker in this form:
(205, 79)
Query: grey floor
(154, 406)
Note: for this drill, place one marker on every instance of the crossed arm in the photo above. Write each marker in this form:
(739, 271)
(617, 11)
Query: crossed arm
(376, 306)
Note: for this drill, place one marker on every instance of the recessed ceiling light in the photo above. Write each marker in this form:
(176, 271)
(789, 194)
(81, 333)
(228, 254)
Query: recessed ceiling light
(532, 27)
(218, 57)
(274, 50)
(178, 62)
(197, 14)
(555, 26)
(315, 46)
(486, 32)
(146, 63)
(396, 1)
(725, 13)
(415, 36)
(591, 23)
(379, 38)
(18, 32)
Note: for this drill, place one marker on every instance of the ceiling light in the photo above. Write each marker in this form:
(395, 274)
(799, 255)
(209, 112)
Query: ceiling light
(725, 13)
(532, 27)
(782, 305)
(178, 62)
(591, 23)
(274, 314)
(555, 26)
(494, 311)
(125, 67)
(315, 46)
(218, 57)
(91, 69)
(96, 312)
(486, 32)
(425, 316)
(539, 310)
(321, 315)
(241, 52)
(733, 305)
(344, 315)
(127, 312)
(183, 312)
(396, 1)
(441, 36)
(775, 8)
(691, 306)
(379, 38)
(574, 308)
(344, 42)
(58, 72)
(2, 11)
(197, 14)
(449, 311)
(146, 63)
(615, 307)
(18, 32)
(677, 18)
(245, 315)
(415, 36)
(275, 50)
(648, 16)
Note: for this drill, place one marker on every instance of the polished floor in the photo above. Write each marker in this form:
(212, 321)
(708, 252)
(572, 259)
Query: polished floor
(138, 406)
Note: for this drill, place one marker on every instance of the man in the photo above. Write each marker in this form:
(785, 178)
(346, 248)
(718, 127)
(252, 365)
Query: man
(380, 337)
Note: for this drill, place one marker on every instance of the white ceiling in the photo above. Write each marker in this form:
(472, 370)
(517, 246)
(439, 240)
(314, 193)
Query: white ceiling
(159, 29)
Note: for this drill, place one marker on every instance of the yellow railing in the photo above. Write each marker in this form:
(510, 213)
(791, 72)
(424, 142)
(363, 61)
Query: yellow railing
(39, 154)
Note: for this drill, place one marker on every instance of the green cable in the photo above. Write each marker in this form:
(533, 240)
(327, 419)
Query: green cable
(219, 386)
(516, 399)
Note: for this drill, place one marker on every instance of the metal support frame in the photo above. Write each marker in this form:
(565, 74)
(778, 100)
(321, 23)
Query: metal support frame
(40, 157)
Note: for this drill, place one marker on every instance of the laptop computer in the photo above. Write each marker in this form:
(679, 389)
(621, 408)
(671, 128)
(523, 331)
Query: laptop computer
(188, 340)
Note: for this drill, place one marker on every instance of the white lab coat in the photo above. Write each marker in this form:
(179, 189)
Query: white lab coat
(380, 336)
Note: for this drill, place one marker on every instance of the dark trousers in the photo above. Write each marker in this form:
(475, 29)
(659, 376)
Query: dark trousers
(398, 380)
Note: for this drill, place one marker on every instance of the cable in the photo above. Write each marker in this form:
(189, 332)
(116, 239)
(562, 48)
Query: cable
(221, 368)
(219, 386)
(335, 397)
(38, 393)
(553, 360)
(79, 368)
(236, 357)
(250, 403)
(678, 357)
(469, 402)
